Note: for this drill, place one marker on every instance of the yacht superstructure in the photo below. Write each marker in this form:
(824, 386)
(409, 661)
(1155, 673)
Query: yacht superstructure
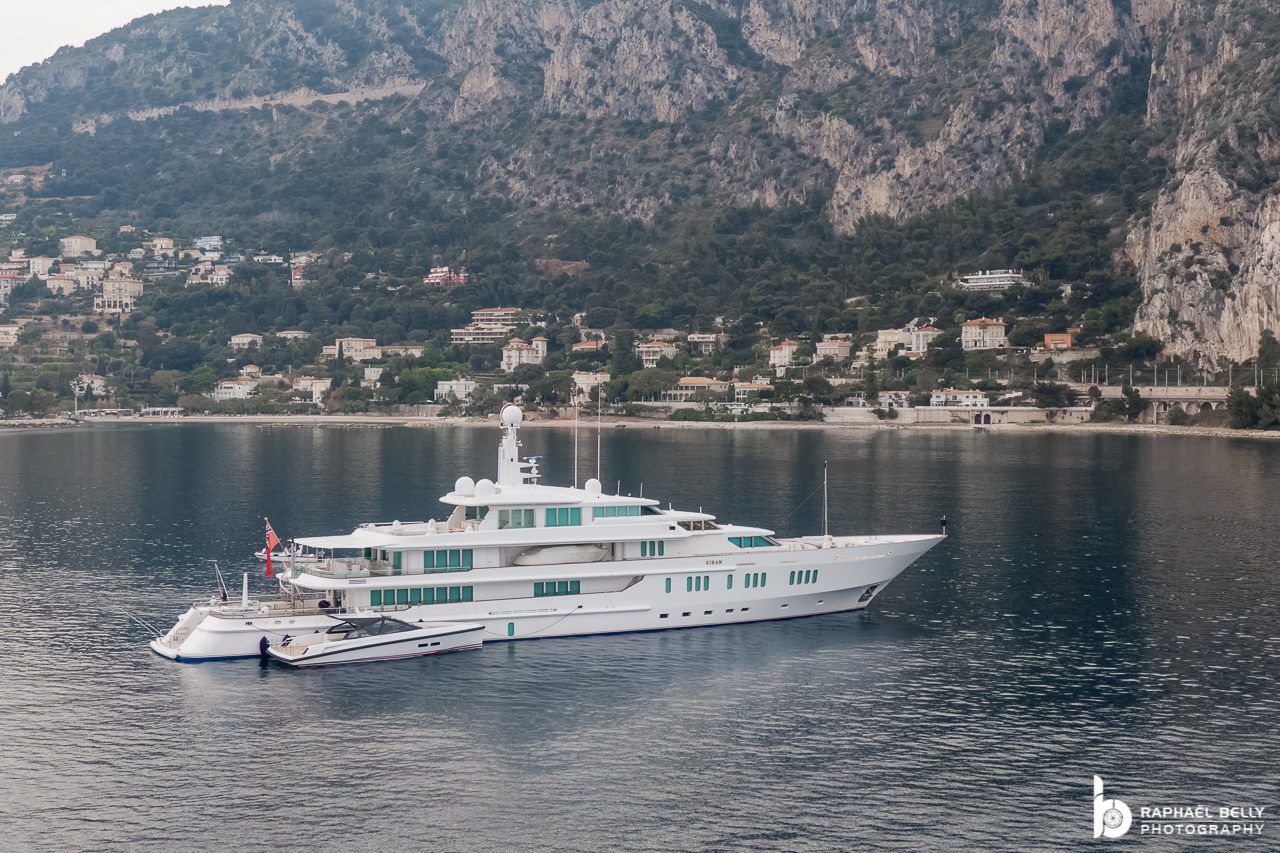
(528, 560)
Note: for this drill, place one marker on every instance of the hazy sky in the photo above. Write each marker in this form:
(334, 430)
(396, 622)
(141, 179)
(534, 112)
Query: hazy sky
(31, 30)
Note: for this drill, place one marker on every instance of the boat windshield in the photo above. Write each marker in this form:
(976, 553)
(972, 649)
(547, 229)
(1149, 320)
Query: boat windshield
(354, 629)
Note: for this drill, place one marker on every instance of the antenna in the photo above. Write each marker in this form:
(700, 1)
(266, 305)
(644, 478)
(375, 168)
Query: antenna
(599, 397)
(576, 411)
(824, 497)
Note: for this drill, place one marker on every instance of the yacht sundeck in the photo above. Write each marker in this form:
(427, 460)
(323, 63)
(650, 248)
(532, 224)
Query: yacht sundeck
(355, 639)
(526, 560)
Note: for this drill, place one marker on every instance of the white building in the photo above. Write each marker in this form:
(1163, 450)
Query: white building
(488, 326)
(160, 246)
(706, 343)
(245, 340)
(293, 335)
(783, 355)
(992, 280)
(235, 389)
(117, 296)
(893, 400)
(78, 245)
(585, 380)
(956, 397)
(455, 389)
(983, 333)
(836, 347)
(40, 266)
(9, 335)
(94, 382)
(312, 387)
(356, 349)
(517, 352)
(652, 352)
(742, 391)
(209, 244)
(920, 338)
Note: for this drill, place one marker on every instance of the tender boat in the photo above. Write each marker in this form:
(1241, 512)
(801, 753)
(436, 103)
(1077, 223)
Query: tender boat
(527, 560)
(291, 552)
(355, 639)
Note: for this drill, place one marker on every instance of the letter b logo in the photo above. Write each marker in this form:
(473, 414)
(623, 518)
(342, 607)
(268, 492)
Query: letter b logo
(1111, 817)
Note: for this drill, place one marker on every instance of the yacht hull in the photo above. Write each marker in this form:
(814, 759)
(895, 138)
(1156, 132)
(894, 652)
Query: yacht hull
(663, 597)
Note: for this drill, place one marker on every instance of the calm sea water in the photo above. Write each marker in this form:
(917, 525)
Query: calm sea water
(1105, 605)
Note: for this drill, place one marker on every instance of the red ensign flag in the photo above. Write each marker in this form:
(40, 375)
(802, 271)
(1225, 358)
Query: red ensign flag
(272, 541)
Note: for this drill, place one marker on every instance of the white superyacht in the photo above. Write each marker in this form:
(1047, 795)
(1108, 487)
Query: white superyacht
(529, 561)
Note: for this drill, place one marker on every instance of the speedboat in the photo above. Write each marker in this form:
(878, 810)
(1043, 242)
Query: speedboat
(354, 639)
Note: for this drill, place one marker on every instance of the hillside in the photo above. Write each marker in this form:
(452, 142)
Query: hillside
(770, 157)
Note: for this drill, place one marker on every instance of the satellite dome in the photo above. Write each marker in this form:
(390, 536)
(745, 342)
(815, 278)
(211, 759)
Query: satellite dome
(593, 486)
(464, 486)
(484, 488)
(511, 415)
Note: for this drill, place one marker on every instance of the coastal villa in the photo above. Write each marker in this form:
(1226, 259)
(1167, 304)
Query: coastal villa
(455, 389)
(517, 352)
(983, 333)
(588, 347)
(920, 338)
(403, 350)
(245, 340)
(9, 335)
(95, 382)
(313, 387)
(161, 247)
(652, 351)
(836, 347)
(446, 277)
(993, 280)
(889, 340)
(783, 355)
(742, 391)
(234, 389)
(955, 397)
(356, 349)
(585, 380)
(706, 343)
(77, 246)
(293, 335)
(117, 296)
(697, 387)
(40, 266)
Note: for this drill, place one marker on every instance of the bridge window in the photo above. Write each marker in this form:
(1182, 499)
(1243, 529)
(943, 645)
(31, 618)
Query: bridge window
(752, 541)
(509, 519)
(447, 560)
(564, 516)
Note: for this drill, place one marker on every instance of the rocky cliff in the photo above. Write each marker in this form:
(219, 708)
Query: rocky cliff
(642, 107)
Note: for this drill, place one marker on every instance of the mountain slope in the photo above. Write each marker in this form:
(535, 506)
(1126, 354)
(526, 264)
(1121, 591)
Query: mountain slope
(603, 128)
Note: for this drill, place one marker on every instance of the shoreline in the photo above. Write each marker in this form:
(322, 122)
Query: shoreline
(615, 422)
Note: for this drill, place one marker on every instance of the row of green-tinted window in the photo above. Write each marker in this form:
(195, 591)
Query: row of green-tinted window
(545, 588)
(653, 548)
(804, 576)
(444, 560)
(564, 516)
(512, 518)
(750, 541)
(697, 583)
(751, 580)
(419, 595)
(614, 511)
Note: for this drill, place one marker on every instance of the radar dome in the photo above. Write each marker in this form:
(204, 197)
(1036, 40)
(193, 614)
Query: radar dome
(593, 486)
(465, 486)
(511, 415)
(484, 488)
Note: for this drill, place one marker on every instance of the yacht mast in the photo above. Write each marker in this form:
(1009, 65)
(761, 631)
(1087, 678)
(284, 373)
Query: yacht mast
(824, 497)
